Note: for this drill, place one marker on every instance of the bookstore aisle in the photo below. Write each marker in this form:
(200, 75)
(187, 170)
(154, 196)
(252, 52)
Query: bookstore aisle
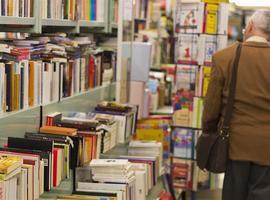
(103, 99)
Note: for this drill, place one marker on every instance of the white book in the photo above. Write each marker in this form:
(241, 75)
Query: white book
(120, 195)
(6, 7)
(2, 87)
(121, 163)
(30, 183)
(41, 177)
(46, 83)
(140, 185)
(222, 42)
(104, 186)
(25, 66)
(100, 10)
(23, 185)
(223, 18)
(77, 73)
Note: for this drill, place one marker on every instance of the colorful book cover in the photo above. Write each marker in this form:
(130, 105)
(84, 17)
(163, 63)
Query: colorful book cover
(206, 78)
(182, 173)
(183, 143)
(187, 51)
(211, 17)
(210, 48)
(189, 18)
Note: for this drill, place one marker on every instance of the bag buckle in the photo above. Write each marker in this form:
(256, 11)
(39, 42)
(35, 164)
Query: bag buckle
(224, 132)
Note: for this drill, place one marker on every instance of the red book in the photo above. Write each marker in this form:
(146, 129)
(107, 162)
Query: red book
(91, 72)
(55, 154)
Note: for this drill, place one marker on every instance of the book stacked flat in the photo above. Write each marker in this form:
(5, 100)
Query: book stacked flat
(147, 148)
(10, 174)
(125, 115)
(112, 171)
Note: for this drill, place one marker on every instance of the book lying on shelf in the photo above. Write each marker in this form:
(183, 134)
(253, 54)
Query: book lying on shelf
(58, 130)
(10, 177)
(125, 115)
(147, 148)
(155, 128)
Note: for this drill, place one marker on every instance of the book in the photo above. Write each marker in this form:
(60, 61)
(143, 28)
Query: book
(9, 164)
(187, 51)
(189, 18)
(58, 130)
(211, 18)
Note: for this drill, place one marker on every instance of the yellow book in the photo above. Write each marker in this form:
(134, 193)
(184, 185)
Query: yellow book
(87, 10)
(13, 85)
(206, 79)
(9, 163)
(211, 18)
(17, 88)
(31, 83)
(215, 1)
(10, 8)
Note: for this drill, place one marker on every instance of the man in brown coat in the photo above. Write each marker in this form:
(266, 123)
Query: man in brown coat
(248, 172)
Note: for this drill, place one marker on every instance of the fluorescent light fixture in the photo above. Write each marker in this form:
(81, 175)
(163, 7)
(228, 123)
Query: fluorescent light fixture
(251, 3)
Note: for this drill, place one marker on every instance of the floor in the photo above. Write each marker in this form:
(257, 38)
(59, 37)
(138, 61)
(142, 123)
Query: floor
(209, 195)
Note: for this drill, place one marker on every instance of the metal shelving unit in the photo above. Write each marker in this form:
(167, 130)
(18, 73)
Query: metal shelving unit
(36, 24)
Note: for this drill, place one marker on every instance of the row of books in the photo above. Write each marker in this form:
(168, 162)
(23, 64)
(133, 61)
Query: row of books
(16, 8)
(199, 17)
(47, 69)
(65, 143)
(198, 49)
(89, 10)
(193, 78)
(185, 173)
(134, 174)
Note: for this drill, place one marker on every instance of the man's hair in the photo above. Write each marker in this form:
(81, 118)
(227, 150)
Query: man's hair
(261, 20)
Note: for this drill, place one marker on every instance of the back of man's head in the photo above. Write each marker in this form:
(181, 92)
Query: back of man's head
(261, 21)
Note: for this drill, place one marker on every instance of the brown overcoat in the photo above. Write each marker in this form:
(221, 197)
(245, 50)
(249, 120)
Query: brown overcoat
(250, 124)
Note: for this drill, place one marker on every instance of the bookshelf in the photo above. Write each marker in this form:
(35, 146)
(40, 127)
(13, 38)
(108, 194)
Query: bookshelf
(36, 24)
(18, 122)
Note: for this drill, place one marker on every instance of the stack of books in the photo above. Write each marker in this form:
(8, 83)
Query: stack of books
(112, 171)
(147, 148)
(110, 176)
(10, 174)
(125, 115)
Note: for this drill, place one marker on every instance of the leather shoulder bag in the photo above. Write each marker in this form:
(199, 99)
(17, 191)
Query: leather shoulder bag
(213, 148)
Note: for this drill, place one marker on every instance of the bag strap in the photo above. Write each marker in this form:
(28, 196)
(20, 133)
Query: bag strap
(231, 97)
